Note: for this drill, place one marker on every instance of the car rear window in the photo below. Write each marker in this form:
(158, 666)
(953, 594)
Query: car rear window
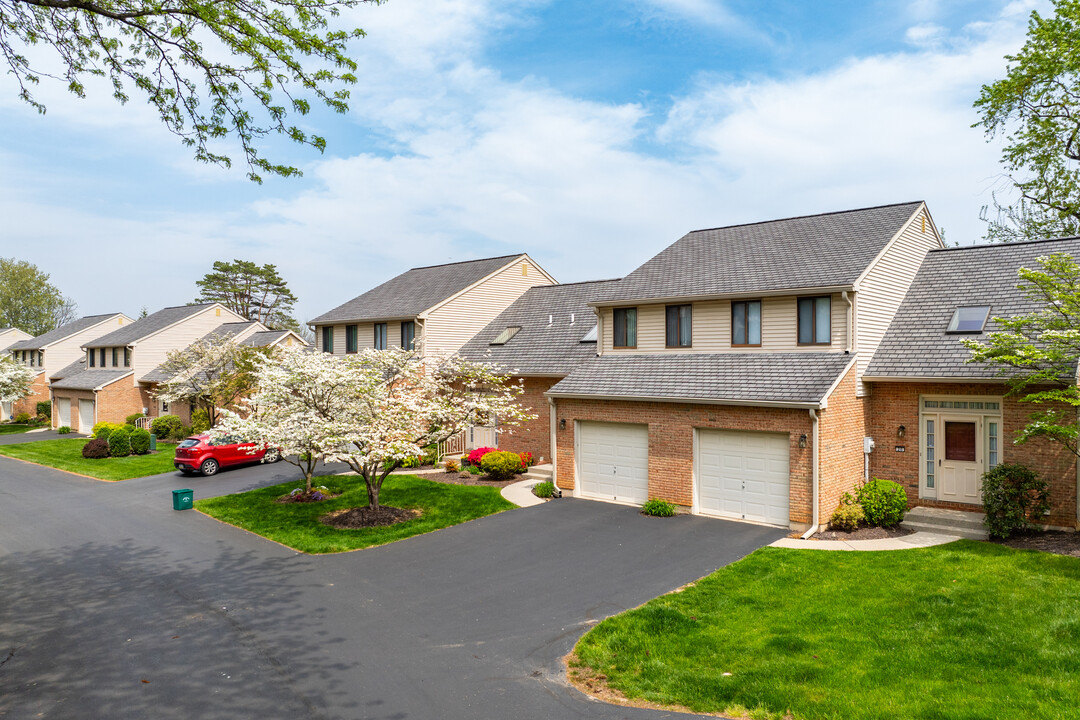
(188, 443)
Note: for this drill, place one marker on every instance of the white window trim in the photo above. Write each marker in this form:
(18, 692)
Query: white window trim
(982, 415)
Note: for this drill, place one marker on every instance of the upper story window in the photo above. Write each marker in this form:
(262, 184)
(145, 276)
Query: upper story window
(92, 355)
(815, 320)
(679, 321)
(746, 323)
(33, 358)
(24, 357)
(116, 357)
(127, 357)
(328, 339)
(625, 327)
(969, 319)
(408, 334)
(102, 357)
(350, 339)
(505, 336)
(380, 336)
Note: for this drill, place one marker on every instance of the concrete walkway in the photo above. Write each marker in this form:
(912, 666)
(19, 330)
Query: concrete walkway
(521, 494)
(907, 542)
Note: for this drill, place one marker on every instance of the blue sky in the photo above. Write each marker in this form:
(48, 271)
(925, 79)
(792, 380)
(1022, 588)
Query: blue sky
(590, 135)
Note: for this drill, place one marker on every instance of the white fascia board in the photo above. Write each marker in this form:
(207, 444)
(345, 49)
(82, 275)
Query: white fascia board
(820, 290)
(517, 258)
(836, 383)
(89, 327)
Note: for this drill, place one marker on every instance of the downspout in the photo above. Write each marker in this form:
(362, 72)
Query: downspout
(850, 321)
(814, 471)
(553, 419)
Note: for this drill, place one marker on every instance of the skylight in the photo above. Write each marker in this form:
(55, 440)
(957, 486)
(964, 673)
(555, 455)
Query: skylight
(969, 319)
(505, 335)
(590, 336)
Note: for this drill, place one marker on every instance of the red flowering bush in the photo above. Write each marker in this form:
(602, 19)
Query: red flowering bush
(477, 455)
(526, 459)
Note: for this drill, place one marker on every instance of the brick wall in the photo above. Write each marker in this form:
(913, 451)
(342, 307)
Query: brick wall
(39, 392)
(842, 427)
(119, 399)
(534, 435)
(895, 404)
(671, 442)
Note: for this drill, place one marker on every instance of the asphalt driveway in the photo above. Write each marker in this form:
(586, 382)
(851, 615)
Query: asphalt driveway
(114, 605)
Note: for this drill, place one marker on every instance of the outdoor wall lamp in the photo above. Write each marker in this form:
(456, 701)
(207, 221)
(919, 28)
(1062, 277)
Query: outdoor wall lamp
(802, 440)
(562, 424)
(900, 431)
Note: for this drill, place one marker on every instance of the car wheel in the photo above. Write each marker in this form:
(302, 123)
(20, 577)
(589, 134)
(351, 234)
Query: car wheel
(272, 455)
(209, 467)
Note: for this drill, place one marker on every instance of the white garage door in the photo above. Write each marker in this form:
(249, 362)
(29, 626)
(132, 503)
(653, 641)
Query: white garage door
(744, 475)
(63, 411)
(86, 416)
(613, 461)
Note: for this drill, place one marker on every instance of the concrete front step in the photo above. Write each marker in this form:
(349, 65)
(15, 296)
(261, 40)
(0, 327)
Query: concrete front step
(540, 473)
(952, 522)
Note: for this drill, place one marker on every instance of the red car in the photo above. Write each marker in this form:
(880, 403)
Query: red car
(199, 454)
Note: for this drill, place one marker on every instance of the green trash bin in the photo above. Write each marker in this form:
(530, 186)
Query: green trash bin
(153, 442)
(182, 499)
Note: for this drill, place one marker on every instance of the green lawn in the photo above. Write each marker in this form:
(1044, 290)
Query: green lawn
(297, 524)
(66, 455)
(967, 630)
(12, 428)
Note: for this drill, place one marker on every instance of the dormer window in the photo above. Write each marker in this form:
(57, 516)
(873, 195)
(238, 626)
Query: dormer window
(505, 336)
(590, 337)
(969, 319)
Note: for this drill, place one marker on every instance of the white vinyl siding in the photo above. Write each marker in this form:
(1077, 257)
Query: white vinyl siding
(152, 351)
(886, 283)
(64, 352)
(712, 327)
(452, 324)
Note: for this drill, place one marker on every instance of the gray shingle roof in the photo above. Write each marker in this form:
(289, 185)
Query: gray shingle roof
(228, 329)
(262, 338)
(61, 332)
(814, 251)
(147, 325)
(265, 338)
(89, 379)
(414, 291)
(916, 344)
(539, 348)
(69, 370)
(798, 378)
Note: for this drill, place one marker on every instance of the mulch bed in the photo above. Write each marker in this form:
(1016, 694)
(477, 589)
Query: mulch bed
(303, 497)
(362, 517)
(1059, 543)
(866, 533)
(464, 478)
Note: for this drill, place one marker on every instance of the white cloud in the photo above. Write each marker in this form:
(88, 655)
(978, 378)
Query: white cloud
(925, 35)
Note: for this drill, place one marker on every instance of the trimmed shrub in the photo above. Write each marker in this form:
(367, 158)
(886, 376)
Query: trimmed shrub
(473, 470)
(846, 518)
(140, 441)
(45, 408)
(658, 508)
(884, 502)
(63, 430)
(500, 465)
(200, 422)
(42, 420)
(104, 430)
(120, 443)
(451, 466)
(96, 449)
(23, 418)
(166, 426)
(1014, 498)
(478, 454)
(544, 489)
(130, 419)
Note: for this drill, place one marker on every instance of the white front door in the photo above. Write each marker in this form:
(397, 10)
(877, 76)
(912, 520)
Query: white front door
(613, 461)
(86, 416)
(63, 411)
(744, 475)
(961, 465)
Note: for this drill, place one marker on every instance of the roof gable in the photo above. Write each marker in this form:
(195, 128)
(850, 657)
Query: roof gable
(149, 325)
(414, 291)
(64, 331)
(815, 251)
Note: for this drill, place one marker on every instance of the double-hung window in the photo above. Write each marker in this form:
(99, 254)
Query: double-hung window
(679, 321)
(127, 357)
(746, 323)
(116, 357)
(408, 335)
(93, 358)
(625, 327)
(328, 339)
(380, 336)
(815, 320)
(102, 357)
(350, 338)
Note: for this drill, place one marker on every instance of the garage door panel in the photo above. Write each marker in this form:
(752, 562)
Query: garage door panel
(614, 461)
(744, 475)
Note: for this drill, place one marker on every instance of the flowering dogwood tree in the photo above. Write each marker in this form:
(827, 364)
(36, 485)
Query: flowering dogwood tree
(213, 372)
(15, 380)
(373, 410)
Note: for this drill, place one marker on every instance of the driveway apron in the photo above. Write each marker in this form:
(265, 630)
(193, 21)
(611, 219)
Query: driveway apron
(116, 606)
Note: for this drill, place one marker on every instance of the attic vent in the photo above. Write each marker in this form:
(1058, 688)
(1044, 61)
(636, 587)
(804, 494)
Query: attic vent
(923, 218)
(590, 337)
(969, 319)
(506, 334)
(571, 318)
(217, 311)
(524, 269)
(119, 321)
